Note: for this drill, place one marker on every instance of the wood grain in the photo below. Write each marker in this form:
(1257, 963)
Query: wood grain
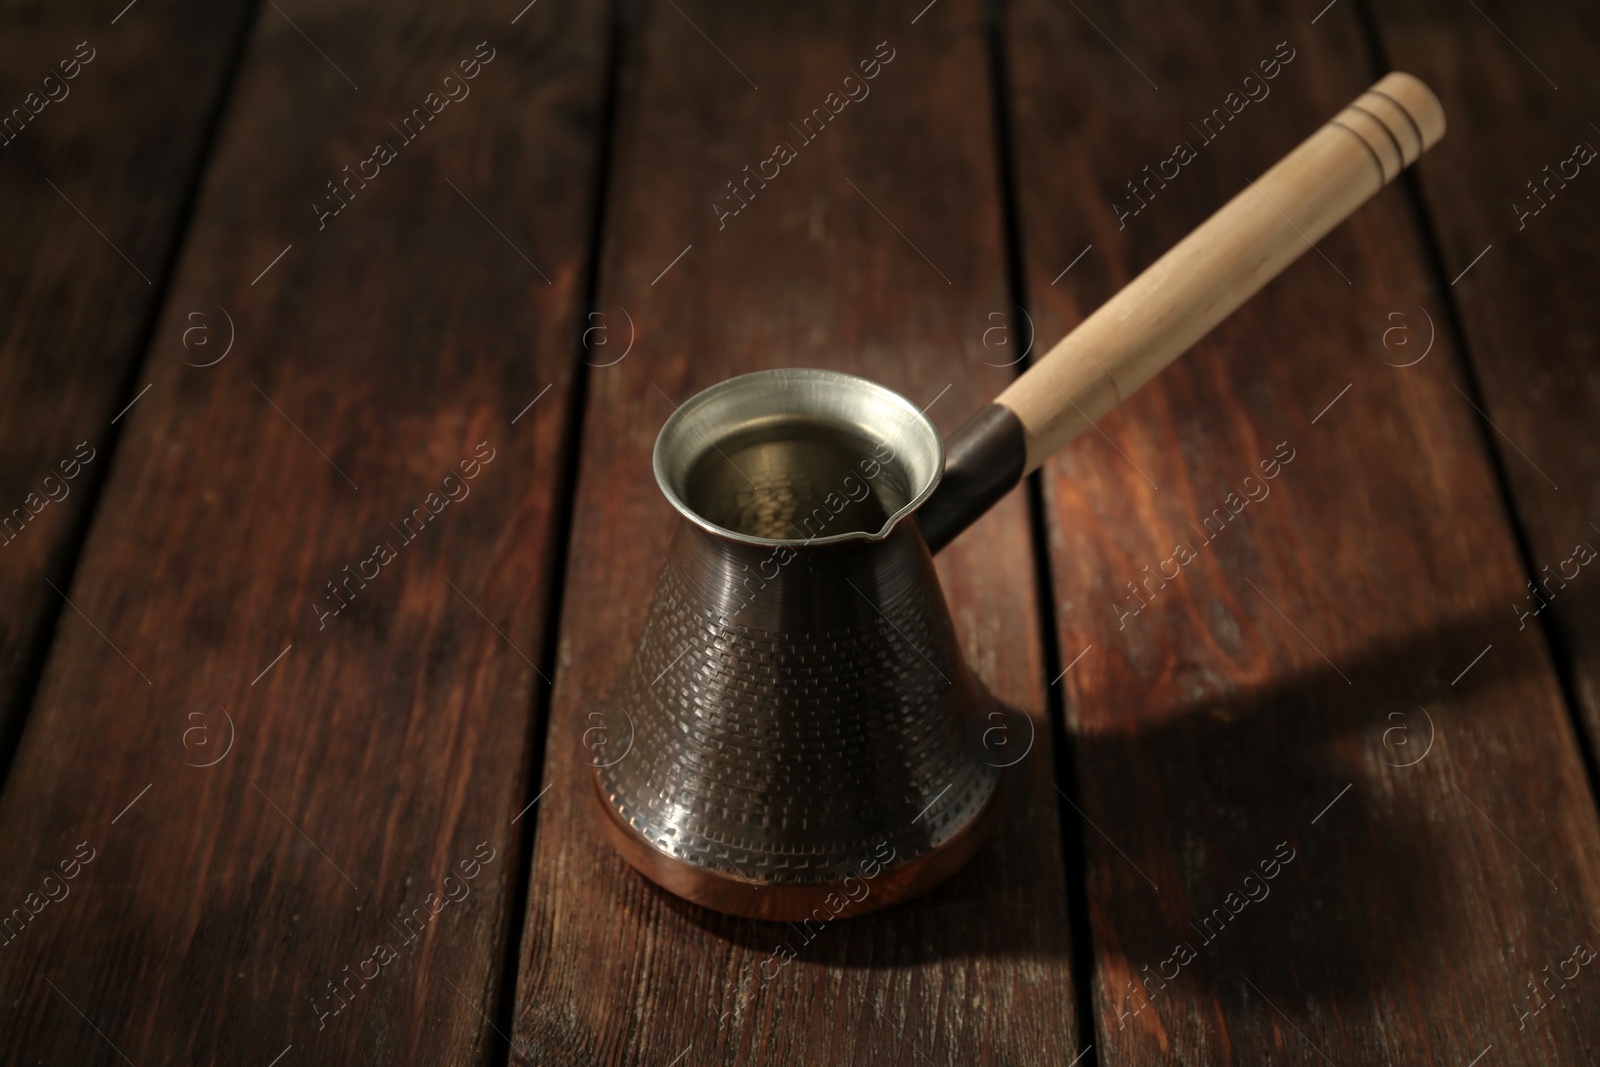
(1251, 705)
(389, 746)
(1527, 305)
(77, 311)
(812, 272)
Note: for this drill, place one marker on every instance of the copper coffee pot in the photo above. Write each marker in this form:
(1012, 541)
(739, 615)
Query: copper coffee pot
(797, 734)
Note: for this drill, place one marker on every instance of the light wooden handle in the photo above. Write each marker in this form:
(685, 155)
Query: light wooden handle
(1219, 266)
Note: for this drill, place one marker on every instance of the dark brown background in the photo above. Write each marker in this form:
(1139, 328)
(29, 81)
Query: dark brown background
(1341, 674)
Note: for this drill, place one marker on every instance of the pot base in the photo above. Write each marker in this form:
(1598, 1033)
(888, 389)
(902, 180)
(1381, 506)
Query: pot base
(780, 902)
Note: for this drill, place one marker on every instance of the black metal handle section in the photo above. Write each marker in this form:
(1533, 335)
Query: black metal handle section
(983, 461)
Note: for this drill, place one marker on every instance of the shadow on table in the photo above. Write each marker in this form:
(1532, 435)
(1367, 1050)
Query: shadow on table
(1351, 786)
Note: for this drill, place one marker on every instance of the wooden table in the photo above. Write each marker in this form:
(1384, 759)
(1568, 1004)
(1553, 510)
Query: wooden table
(244, 345)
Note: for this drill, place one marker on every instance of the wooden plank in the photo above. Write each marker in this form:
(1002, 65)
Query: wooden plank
(1526, 305)
(1241, 727)
(879, 251)
(78, 311)
(230, 912)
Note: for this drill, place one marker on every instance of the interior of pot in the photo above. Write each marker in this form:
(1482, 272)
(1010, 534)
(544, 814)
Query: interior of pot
(798, 455)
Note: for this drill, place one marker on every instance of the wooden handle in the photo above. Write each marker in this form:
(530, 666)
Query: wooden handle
(1219, 266)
